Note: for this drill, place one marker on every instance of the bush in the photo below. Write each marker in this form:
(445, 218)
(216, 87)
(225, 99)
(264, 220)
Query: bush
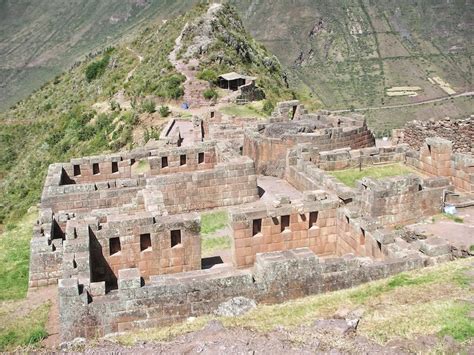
(268, 107)
(210, 94)
(170, 87)
(208, 75)
(97, 68)
(165, 111)
(152, 133)
(148, 106)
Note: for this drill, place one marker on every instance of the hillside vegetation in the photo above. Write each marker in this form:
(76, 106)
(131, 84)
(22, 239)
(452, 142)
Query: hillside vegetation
(41, 38)
(350, 52)
(97, 106)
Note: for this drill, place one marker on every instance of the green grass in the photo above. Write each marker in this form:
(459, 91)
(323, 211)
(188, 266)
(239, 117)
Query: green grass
(244, 111)
(456, 322)
(454, 218)
(24, 331)
(405, 305)
(211, 222)
(209, 245)
(14, 258)
(350, 176)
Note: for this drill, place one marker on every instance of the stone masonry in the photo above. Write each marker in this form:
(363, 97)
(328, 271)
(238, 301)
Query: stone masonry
(121, 234)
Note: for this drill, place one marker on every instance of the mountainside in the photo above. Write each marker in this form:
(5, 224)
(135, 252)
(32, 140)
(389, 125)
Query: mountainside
(108, 101)
(39, 39)
(351, 52)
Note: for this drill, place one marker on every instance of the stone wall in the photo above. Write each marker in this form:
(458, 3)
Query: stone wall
(228, 184)
(285, 225)
(87, 311)
(153, 244)
(436, 158)
(269, 152)
(401, 200)
(460, 132)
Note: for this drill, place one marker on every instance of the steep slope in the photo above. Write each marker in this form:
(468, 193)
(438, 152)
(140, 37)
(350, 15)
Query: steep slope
(39, 39)
(350, 52)
(99, 104)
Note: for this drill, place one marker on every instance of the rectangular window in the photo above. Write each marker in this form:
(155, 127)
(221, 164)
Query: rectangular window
(362, 237)
(313, 219)
(284, 222)
(212, 114)
(95, 168)
(164, 162)
(114, 167)
(114, 245)
(256, 226)
(182, 159)
(145, 242)
(77, 170)
(175, 238)
(200, 158)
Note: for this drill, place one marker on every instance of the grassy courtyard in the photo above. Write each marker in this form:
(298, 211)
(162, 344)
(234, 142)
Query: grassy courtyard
(350, 176)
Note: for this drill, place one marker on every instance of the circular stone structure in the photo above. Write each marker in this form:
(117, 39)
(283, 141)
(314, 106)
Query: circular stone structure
(267, 143)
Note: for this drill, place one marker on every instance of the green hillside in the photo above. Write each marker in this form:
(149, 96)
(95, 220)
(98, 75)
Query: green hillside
(41, 38)
(350, 52)
(99, 105)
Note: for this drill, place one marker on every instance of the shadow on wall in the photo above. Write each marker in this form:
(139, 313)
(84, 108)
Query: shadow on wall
(100, 269)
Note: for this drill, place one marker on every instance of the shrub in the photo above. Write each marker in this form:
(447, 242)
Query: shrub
(165, 111)
(148, 106)
(97, 68)
(208, 75)
(114, 105)
(170, 87)
(268, 107)
(152, 133)
(210, 94)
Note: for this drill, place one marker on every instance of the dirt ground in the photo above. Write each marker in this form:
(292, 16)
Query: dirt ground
(458, 234)
(321, 336)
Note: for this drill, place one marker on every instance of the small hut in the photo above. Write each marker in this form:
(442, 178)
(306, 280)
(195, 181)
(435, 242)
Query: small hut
(232, 81)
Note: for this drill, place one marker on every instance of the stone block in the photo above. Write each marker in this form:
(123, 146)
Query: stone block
(68, 287)
(434, 247)
(129, 279)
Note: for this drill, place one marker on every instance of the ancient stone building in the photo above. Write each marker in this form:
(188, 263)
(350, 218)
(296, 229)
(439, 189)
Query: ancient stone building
(120, 234)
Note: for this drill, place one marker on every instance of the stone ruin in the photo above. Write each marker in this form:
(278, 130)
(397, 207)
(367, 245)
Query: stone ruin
(120, 233)
(460, 132)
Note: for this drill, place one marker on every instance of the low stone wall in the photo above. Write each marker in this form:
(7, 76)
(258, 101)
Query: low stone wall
(461, 132)
(347, 158)
(87, 311)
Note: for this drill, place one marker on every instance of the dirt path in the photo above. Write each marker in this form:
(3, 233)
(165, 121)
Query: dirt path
(444, 98)
(140, 59)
